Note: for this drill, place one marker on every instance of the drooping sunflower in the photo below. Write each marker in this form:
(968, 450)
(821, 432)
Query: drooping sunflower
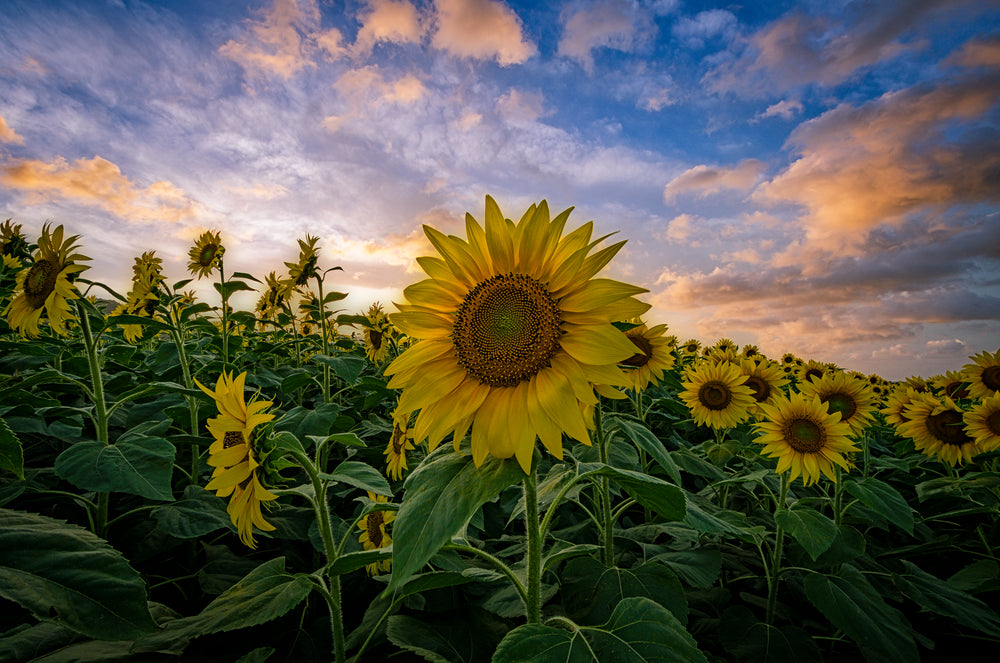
(233, 454)
(374, 536)
(376, 334)
(716, 394)
(274, 298)
(654, 356)
(983, 374)
(206, 253)
(805, 437)
(982, 422)
(514, 334)
(400, 442)
(47, 285)
(937, 427)
(304, 269)
(765, 379)
(849, 396)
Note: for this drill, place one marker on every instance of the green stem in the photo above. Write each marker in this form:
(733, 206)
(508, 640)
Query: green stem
(225, 315)
(326, 342)
(607, 523)
(497, 564)
(533, 604)
(838, 497)
(779, 540)
(178, 334)
(100, 415)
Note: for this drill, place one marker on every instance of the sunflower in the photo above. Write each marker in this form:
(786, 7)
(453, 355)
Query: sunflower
(376, 333)
(234, 457)
(691, 347)
(47, 285)
(716, 394)
(917, 383)
(654, 356)
(723, 354)
(983, 374)
(790, 359)
(750, 352)
(274, 297)
(765, 379)
(13, 243)
(206, 253)
(849, 396)
(952, 384)
(896, 404)
(805, 437)
(374, 536)
(400, 442)
(937, 428)
(300, 272)
(982, 422)
(514, 333)
(144, 296)
(811, 370)
(11, 263)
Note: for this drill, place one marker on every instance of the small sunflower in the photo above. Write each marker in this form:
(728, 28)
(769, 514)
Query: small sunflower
(206, 253)
(937, 427)
(918, 384)
(654, 356)
(300, 272)
(374, 536)
(11, 263)
(765, 379)
(750, 352)
(716, 394)
(805, 438)
(952, 384)
(849, 396)
(233, 454)
(47, 285)
(790, 359)
(811, 370)
(144, 296)
(982, 422)
(400, 442)
(723, 354)
(376, 334)
(983, 374)
(690, 347)
(274, 297)
(13, 243)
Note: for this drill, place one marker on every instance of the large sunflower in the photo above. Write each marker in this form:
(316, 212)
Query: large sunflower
(937, 428)
(400, 442)
(716, 394)
(982, 422)
(983, 374)
(514, 334)
(47, 285)
(374, 536)
(952, 384)
(233, 454)
(206, 253)
(849, 396)
(805, 437)
(654, 356)
(896, 404)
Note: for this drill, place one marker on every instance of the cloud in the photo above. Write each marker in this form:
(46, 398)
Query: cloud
(785, 109)
(679, 229)
(279, 41)
(518, 106)
(707, 180)
(694, 32)
(388, 21)
(977, 53)
(8, 135)
(365, 89)
(99, 183)
(616, 24)
(481, 29)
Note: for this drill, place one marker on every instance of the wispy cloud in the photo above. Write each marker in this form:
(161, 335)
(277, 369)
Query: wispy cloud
(281, 40)
(8, 135)
(616, 24)
(705, 180)
(694, 31)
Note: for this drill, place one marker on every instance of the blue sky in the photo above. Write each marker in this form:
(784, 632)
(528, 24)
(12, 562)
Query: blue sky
(819, 177)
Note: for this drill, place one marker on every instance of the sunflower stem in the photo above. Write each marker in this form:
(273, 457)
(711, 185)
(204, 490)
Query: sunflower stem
(779, 540)
(608, 523)
(225, 314)
(177, 332)
(838, 497)
(326, 342)
(533, 604)
(100, 411)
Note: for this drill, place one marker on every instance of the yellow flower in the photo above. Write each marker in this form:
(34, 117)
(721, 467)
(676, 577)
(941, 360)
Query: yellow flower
(751, 352)
(400, 442)
(13, 242)
(790, 359)
(513, 334)
(952, 384)
(47, 285)
(805, 437)
(716, 394)
(811, 370)
(896, 403)
(765, 379)
(936, 426)
(300, 272)
(691, 347)
(654, 356)
(851, 397)
(376, 332)
(374, 536)
(273, 298)
(233, 454)
(144, 296)
(206, 253)
(10, 262)
(983, 374)
(982, 422)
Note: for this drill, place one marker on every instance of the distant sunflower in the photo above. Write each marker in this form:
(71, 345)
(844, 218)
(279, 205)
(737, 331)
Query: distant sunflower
(849, 396)
(206, 254)
(652, 358)
(374, 536)
(917, 383)
(11, 263)
(937, 427)
(805, 437)
(765, 379)
(300, 272)
(716, 394)
(750, 351)
(724, 354)
(514, 334)
(811, 370)
(952, 384)
(400, 442)
(377, 333)
(983, 374)
(691, 347)
(790, 359)
(896, 404)
(47, 285)
(13, 243)
(274, 297)
(144, 296)
(982, 422)
(233, 454)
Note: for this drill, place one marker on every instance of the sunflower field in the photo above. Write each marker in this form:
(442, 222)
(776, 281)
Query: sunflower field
(513, 465)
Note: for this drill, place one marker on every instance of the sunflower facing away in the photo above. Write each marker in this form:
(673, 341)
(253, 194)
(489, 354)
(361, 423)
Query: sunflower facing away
(716, 394)
(654, 356)
(849, 396)
(937, 428)
(47, 285)
(144, 295)
(13, 243)
(982, 422)
(233, 454)
(376, 334)
(400, 442)
(374, 536)
(983, 374)
(805, 437)
(274, 297)
(300, 272)
(514, 334)
(206, 253)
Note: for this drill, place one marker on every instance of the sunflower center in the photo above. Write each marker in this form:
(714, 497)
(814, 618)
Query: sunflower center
(761, 389)
(991, 377)
(812, 373)
(231, 438)
(373, 525)
(956, 390)
(715, 395)
(207, 254)
(805, 435)
(398, 439)
(375, 338)
(645, 353)
(948, 427)
(40, 282)
(842, 403)
(507, 330)
(993, 422)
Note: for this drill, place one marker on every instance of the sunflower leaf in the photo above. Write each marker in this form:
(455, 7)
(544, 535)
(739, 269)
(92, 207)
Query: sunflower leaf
(11, 453)
(936, 595)
(143, 466)
(244, 275)
(359, 475)
(662, 497)
(814, 531)
(884, 500)
(644, 439)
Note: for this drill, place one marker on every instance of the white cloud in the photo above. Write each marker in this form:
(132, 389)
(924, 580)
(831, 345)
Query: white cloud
(714, 23)
(785, 109)
(481, 29)
(616, 24)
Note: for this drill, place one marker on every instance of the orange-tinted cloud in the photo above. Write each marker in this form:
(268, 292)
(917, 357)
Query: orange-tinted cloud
(612, 24)
(481, 29)
(8, 135)
(706, 180)
(99, 183)
(366, 89)
(279, 41)
(389, 21)
(978, 53)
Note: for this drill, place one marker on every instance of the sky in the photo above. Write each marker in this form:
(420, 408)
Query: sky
(819, 177)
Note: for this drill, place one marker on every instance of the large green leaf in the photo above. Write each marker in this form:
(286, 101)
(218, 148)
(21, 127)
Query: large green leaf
(814, 531)
(200, 512)
(64, 574)
(360, 476)
(699, 567)
(465, 635)
(141, 467)
(752, 641)
(939, 597)
(441, 496)
(593, 590)
(851, 604)
(638, 631)
(643, 438)
(11, 454)
(663, 497)
(883, 499)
